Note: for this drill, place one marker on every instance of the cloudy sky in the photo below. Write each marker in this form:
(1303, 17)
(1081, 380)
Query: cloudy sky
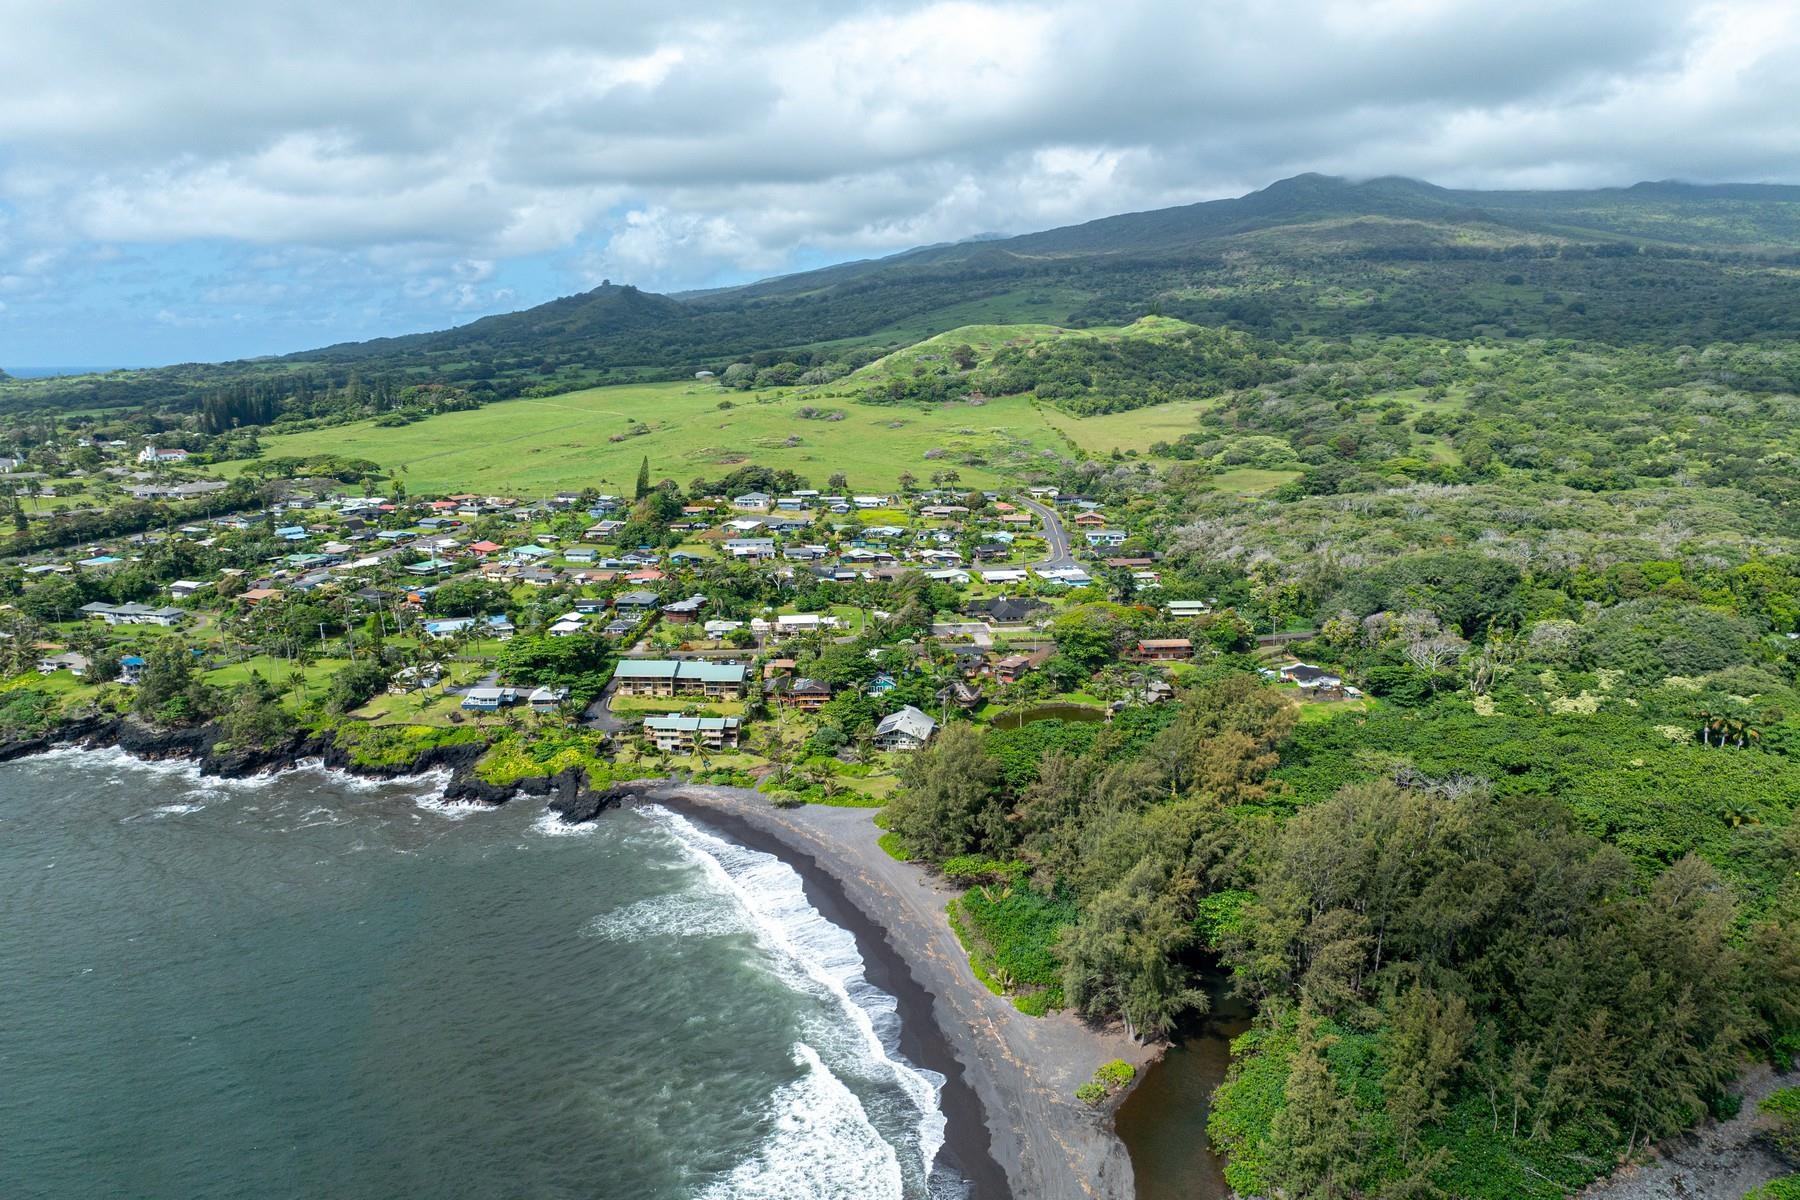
(189, 179)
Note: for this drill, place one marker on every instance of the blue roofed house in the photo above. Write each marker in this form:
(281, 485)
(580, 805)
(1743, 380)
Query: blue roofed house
(679, 677)
(489, 699)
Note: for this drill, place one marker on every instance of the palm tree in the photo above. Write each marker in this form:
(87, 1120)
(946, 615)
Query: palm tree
(1737, 813)
(823, 777)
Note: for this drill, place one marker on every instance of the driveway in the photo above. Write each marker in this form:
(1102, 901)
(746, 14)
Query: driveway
(600, 715)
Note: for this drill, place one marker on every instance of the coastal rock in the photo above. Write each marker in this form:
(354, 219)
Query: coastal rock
(567, 793)
(574, 803)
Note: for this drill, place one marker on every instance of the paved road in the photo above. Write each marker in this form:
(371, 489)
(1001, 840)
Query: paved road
(1055, 535)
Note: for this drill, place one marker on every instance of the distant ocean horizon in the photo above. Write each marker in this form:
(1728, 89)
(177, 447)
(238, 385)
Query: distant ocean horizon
(51, 372)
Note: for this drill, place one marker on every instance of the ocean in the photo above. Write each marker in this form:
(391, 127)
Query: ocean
(313, 985)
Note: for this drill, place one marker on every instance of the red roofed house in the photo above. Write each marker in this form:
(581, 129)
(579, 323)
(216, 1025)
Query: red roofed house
(1163, 650)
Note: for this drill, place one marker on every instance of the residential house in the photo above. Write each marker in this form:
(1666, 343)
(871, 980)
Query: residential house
(131, 669)
(907, 729)
(412, 679)
(682, 735)
(1007, 610)
(635, 603)
(1163, 650)
(1187, 609)
(717, 629)
(1105, 537)
(133, 614)
(547, 699)
(1089, 520)
(489, 699)
(1311, 679)
(258, 595)
(752, 502)
(75, 664)
(803, 695)
(963, 695)
(750, 548)
(679, 677)
(448, 626)
(151, 456)
(684, 612)
(1015, 667)
(788, 623)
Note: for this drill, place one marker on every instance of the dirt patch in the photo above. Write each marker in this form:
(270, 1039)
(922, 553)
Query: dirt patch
(1719, 1161)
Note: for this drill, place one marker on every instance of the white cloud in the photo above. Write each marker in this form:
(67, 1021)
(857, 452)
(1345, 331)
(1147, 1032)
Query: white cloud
(673, 147)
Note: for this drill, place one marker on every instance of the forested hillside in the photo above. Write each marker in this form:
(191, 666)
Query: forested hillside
(1662, 264)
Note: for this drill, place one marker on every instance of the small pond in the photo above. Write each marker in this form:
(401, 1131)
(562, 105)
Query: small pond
(1060, 711)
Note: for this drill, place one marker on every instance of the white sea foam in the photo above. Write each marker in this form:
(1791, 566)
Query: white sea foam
(549, 824)
(123, 763)
(823, 1146)
(176, 810)
(816, 957)
(455, 810)
(704, 913)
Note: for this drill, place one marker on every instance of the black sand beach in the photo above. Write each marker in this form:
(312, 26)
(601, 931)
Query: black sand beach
(1018, 1074)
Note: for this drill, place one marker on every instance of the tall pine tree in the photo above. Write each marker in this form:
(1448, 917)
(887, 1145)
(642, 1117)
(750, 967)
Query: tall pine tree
(643, 479)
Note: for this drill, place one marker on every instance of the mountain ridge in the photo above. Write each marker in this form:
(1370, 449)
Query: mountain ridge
(1706, 262)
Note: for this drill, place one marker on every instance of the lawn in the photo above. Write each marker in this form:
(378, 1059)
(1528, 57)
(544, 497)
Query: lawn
(278, 671)
(623, 705)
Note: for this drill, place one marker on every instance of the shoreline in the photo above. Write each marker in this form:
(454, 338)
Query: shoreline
(1014, 1129)
(967, 1146)
(1022, 1071)
(1005, 1072)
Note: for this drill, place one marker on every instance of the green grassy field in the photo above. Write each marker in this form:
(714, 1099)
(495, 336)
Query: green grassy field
(537, 446)
(585, 438)
(1136, 430)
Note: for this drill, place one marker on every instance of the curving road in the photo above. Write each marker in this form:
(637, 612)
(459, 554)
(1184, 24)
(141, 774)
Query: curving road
(1054, 533)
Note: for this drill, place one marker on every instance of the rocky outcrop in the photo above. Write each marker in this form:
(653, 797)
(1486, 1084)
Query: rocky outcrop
(567, 791)
(574, 802)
